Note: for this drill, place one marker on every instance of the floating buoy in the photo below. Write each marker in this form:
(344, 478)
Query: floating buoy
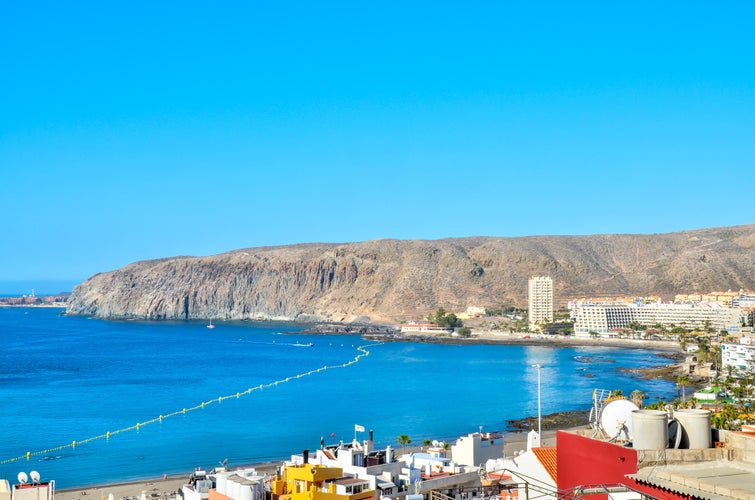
(160, 418)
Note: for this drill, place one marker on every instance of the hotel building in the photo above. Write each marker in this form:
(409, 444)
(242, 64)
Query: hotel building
(603, 319)
(741, 357)
(540, 301)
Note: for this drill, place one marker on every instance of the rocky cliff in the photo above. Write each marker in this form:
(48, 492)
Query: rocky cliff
(392, 280)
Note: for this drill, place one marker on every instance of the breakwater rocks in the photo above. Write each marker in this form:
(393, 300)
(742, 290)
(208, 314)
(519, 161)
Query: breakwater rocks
(552, 421)
(391, 281)
(377, 332)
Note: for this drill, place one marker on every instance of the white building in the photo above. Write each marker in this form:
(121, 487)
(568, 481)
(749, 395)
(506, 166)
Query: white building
(540, 291)
(363, 461)
(477, 448)
(741, 357)
(537, 467)
(743, 300)
(28, 490)
(428, 328)
(602, 319)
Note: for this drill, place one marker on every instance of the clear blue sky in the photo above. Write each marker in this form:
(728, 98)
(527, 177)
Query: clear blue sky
(138, 130)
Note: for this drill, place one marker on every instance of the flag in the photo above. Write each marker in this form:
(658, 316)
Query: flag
(358, 428)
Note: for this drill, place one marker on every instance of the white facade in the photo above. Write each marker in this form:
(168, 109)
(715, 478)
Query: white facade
(477, 448)
(424, 328)
(743, 300)
(741, 357)
(540, 292)
(602, 319)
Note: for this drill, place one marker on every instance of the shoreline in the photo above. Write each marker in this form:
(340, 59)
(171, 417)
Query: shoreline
(531, 340)
(515, 435)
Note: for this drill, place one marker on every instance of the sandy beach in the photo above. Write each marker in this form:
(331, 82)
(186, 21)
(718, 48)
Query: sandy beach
(482, 337)
(165, 487)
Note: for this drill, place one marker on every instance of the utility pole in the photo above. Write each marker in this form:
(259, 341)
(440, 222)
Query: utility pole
(539, 419)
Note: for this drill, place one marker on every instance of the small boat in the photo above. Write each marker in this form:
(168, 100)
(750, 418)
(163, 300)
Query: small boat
(210, 326)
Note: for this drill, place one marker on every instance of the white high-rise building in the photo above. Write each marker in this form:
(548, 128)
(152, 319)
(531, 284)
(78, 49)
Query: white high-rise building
(540, 301)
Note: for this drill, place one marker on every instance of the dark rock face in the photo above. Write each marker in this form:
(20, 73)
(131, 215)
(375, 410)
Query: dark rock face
(392, 280)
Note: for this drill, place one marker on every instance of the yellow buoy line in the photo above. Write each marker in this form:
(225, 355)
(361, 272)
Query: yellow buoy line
(363, 352)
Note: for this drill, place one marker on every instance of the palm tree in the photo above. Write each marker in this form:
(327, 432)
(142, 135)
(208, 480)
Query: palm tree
(403, 440)
(727, 418)
(426, 443)
(637, 396)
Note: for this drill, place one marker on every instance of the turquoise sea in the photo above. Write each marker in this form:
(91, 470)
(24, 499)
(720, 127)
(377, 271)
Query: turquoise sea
(66, 379)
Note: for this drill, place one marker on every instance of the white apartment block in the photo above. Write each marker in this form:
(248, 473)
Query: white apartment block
(744, 301)
(741, 357)
(602, 319)
(540, 301)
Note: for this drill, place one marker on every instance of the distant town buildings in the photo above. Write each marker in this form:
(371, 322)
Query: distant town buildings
(35, 300)
(605, 319)
(740, 357)
(472, 312)
(429, 328)
(726, 299)
(540, 292)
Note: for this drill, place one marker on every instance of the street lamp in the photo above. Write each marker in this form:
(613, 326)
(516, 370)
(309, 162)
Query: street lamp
(539, 421)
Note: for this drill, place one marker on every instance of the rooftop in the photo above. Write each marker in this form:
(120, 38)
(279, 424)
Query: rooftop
(548, 457)
(714, 480)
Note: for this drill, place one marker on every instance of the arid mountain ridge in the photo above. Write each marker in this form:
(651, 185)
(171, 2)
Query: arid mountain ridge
(396, 280)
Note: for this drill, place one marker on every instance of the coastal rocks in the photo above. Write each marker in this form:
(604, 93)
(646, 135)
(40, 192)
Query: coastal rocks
(559, 420)
(352, 329)
(391, 281)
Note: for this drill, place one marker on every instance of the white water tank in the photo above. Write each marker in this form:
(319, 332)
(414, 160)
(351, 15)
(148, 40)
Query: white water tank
(233, 487)
(220, 483)
(695, 428)
(245, 490)
(649, 430)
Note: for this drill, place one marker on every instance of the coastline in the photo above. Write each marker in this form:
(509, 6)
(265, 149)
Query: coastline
(527, 339)
(171, 483)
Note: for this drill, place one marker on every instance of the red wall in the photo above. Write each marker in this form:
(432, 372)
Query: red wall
(585, 461)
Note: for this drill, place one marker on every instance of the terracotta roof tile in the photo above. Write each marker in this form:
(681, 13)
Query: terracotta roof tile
(547, 457)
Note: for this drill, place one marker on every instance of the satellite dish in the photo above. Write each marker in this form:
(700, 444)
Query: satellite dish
(23, 478)
(34, 475)
(436, 443)
(616, 418)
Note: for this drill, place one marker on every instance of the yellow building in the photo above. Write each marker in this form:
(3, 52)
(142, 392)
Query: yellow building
(315, 482)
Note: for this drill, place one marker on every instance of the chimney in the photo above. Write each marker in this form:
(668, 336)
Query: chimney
(305, 455)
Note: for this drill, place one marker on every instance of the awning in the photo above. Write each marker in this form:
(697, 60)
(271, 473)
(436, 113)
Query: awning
(384, 485)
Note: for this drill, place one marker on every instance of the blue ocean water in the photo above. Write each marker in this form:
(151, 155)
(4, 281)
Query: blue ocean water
(66, 379)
